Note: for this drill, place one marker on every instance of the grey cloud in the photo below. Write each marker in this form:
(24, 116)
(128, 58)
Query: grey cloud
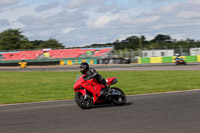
(47, 6)
(182, 19)
(154, 0)
(83, 3)
(103, 8)
(53, 25)
(60, 20)
(89, 37)
(4, 22)
(159, 21)
(170, 20)
(6, 3)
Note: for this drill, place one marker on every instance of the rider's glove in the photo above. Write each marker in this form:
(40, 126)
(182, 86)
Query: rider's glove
(108, 88)
(85, 78)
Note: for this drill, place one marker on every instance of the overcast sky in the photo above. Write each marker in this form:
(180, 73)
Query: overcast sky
(84, 22)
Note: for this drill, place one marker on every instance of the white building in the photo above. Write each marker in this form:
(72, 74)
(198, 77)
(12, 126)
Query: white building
(158, 53)
(194, 51)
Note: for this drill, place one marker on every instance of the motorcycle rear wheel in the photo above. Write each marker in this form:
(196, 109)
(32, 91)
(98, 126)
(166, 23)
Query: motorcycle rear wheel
(121, 99)
(177, 63)
(81, 102)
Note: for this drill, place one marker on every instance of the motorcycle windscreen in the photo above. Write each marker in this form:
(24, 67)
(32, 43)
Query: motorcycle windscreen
(78, 82)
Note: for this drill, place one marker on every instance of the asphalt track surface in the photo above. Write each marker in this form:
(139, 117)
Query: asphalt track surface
(111, 67)
(176, 112)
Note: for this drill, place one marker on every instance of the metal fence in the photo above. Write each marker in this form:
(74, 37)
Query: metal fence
(134, 54)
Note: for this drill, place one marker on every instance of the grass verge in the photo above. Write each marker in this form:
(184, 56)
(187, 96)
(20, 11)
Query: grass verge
(21, 87)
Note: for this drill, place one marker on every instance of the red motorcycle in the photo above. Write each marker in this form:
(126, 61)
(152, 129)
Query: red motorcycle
(91, 92)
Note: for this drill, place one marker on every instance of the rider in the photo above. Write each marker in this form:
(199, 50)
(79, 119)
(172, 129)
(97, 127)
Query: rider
(92, 73)
(178, 57)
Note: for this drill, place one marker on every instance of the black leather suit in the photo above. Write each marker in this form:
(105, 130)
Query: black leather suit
(92, 73)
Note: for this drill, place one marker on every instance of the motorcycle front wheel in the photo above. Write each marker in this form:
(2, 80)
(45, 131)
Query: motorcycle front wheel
(84, 103)
(119, 99)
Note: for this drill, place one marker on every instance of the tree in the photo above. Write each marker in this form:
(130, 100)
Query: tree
(36, 43)
(51, 43)
(161, 38)
(12, 39)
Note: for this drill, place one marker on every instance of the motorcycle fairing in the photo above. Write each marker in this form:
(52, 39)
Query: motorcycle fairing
(92, 86)
(110, 80)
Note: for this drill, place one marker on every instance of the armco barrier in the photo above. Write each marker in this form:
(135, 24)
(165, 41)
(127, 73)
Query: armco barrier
(169, 59)
(67, 61)
(114, 61)
(166, 59)
(198, 58)
(49, 61)
(96, 61)
(145, 60)
(191, 58)
(41, 63)
(156, 60)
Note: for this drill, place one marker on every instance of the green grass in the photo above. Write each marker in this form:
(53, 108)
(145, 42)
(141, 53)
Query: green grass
(20, 87)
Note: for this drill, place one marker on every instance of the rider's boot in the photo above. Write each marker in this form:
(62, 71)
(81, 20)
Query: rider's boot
(109, 89)
(106, 91)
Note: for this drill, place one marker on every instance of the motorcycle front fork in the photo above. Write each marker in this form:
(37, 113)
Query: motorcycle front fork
(85, 97)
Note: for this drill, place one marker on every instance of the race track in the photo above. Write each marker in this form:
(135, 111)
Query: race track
(111, 67)
(176, 112)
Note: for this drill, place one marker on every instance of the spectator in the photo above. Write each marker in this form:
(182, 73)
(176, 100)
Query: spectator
(46, 54)
(23, 64)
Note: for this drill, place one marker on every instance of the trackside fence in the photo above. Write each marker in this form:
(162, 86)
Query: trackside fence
(169, 59)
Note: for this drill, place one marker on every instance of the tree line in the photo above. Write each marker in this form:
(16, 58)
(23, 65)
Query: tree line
(159, 42)
(12, 39)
